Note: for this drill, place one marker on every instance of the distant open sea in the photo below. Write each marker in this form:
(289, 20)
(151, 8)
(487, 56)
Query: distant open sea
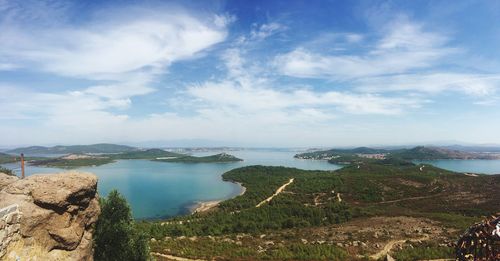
(163, 189)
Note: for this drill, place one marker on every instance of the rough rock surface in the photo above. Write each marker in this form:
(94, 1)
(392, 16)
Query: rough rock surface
(48, 216)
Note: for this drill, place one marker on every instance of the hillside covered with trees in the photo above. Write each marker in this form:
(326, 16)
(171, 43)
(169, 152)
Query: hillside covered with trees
(320, 214)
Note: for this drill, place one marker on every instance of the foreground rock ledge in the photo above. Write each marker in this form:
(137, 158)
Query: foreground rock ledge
(48, 216)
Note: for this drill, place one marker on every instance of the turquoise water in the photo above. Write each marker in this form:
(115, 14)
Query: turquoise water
(474, 166)
(161, 189)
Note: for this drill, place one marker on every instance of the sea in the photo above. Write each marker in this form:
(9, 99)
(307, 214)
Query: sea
(157, 190)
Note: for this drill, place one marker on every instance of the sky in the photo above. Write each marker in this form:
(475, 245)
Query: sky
(249, 73)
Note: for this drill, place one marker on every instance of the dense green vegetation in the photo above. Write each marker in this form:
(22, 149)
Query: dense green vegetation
(76, 149)
(311, 199)
(115, 237)
(287, 210)
(206, 248)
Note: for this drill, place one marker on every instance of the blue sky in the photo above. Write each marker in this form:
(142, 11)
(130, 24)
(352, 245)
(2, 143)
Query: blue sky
(249, 73)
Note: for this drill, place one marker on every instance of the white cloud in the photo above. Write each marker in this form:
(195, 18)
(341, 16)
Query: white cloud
(7, 66)
(405, 58)
(122, 50)
(478, 85)
(248, 94)
(67, 107)
(404, 47)
(109, 49)
(118, 91)
(254, 99)
(265, 30)
(353, 38)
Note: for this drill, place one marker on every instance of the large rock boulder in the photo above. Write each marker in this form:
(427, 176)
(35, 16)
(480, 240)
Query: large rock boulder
(48, 216)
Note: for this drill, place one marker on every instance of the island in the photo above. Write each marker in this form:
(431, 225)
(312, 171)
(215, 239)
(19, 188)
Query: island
(221, 158)
(84, 160)
(359, 212)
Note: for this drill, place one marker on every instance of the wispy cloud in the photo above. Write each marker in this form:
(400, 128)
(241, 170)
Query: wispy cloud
(265, 30)
(476, 85)
(404, 46)
(406, 58)
(107, 49)
(246, 90)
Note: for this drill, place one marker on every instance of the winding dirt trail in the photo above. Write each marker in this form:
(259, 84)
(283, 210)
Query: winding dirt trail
(406, 199)
(278, 191)
(176, 258)
(390, 245)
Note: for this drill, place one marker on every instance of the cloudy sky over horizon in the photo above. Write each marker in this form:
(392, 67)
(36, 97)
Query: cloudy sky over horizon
(249, 73)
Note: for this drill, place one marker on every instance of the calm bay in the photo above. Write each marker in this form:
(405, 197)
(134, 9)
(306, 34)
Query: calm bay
(162, 189)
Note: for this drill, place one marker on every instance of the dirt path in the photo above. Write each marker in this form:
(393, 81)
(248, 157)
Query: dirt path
(405, 199)
(280, 189)
(176, 258)
(392, 243)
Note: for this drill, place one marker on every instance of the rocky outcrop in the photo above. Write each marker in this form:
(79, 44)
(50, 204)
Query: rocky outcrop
(48, 216)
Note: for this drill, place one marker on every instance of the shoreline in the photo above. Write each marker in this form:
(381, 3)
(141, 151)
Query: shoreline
(203, 206)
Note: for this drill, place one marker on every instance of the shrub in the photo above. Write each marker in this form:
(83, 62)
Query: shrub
(6, 171)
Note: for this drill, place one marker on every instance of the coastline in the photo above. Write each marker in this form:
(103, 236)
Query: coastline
(203, 206)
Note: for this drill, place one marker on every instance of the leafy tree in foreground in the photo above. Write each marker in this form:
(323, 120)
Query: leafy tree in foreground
(116, 237)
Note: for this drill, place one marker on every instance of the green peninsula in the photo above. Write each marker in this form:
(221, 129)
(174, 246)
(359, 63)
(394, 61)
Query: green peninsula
(353, 213)
(84, 160)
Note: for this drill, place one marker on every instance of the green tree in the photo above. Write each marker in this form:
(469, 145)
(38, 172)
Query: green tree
(116, 237)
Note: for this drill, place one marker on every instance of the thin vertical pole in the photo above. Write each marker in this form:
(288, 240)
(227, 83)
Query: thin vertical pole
(22, 165)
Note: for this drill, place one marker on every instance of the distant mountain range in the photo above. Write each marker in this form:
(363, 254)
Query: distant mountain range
(76, 149)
